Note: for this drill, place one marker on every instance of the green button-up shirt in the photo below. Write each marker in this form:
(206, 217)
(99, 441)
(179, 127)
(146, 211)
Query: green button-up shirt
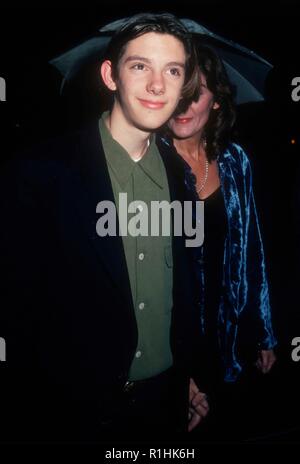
(149, 258)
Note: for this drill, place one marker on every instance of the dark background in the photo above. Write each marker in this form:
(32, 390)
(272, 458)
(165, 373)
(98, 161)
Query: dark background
(30, 36)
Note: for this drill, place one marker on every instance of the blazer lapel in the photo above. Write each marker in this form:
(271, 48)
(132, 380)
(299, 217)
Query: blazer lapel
(95, 179)
(174, 170)
(234, 244)
(175, 175)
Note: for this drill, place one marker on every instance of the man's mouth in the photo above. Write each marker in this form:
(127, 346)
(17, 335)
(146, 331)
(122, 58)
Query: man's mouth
(153, 105)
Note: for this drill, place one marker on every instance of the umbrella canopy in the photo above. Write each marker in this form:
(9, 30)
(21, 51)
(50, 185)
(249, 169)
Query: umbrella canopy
(246, 70)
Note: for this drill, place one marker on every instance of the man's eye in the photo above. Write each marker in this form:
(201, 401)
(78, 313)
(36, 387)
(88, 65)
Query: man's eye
(138, 66)
(175, 71)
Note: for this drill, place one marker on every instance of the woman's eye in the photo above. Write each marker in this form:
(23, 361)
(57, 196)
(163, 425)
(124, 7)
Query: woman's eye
(175, 71)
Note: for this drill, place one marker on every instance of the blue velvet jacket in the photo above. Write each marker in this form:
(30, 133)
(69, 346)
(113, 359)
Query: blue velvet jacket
(245, 286)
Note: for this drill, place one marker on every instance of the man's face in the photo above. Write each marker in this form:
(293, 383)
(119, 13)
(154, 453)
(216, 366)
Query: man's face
(150, 78)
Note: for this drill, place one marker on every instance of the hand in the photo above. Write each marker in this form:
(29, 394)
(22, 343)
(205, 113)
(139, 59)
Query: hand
(198, 406)
(265, 360)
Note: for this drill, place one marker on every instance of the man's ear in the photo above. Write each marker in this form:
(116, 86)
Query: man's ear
(106, 74)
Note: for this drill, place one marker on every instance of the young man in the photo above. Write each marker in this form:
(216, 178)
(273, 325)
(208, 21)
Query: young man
(106, 322)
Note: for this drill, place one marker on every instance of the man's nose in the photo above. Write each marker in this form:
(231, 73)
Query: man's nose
(156, 84)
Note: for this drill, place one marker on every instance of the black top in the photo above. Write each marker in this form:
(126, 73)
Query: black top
(208, 261)
(214, 237)
(215, 227)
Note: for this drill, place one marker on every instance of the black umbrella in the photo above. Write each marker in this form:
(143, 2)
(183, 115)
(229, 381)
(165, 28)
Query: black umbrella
(246, 70)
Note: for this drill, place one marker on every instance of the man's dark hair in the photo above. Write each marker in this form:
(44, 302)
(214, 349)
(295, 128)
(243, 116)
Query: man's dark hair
(162, 23)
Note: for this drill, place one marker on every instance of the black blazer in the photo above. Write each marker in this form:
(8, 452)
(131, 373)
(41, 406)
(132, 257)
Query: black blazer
(67, 314)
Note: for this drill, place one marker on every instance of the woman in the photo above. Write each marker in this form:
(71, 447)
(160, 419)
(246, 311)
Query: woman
(230, 266)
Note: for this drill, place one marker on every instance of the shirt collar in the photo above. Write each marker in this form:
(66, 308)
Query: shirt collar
(121, 163)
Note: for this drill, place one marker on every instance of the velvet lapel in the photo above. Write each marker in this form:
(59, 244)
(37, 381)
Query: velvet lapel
(234, 245)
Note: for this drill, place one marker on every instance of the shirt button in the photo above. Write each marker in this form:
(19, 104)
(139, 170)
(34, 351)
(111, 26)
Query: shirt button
(141, 256)
(141, 305)
(138, 354)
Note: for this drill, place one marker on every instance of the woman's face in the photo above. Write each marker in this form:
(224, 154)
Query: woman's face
(193, 121)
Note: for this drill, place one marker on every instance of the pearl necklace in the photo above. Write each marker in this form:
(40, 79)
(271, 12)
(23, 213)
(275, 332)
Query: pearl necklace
(199, 189)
